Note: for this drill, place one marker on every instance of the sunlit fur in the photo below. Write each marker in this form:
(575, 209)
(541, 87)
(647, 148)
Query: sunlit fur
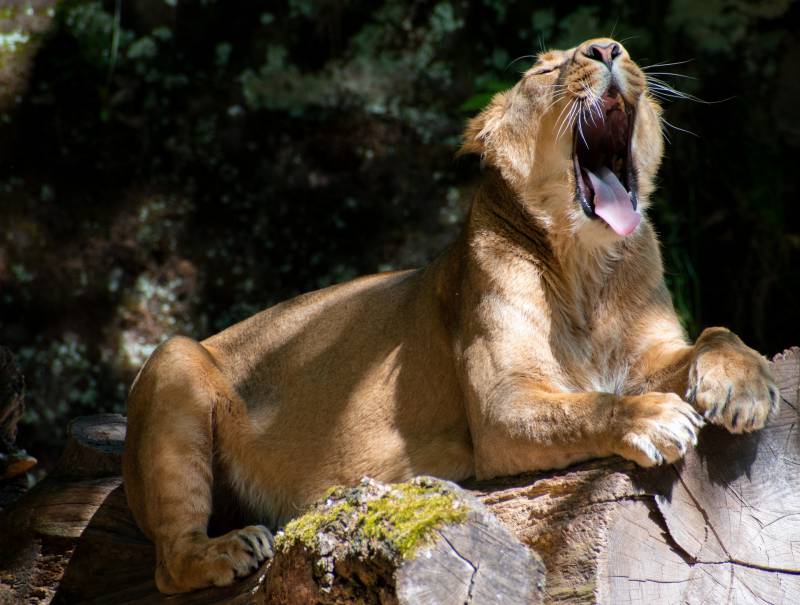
(526, 133)
(537, 339)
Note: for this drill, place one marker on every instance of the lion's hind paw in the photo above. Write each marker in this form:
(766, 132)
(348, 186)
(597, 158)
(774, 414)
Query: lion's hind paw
(238, 553)
(215, 561)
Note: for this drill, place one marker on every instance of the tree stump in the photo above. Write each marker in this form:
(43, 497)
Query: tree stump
(13, 461)
(721, 526)
(94, 446)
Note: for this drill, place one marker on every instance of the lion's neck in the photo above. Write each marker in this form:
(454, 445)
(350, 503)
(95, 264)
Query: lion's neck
(501, 230)
(498, 212)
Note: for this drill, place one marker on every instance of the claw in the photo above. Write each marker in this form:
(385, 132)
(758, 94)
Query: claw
(678, 445)
(774, 400)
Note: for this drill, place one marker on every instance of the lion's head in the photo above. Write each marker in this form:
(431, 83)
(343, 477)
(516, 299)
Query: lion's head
(578, 137)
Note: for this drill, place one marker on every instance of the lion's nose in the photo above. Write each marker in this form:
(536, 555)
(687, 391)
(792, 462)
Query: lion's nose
(605, 53)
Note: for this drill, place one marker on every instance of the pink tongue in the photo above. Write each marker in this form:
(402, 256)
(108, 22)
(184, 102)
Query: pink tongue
(612, 203)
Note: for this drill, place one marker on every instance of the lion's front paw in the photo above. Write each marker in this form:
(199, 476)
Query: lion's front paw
(656, 428)
(215, 561)
(731, 385)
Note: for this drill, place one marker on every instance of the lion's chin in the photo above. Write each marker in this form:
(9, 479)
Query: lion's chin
(602, 160)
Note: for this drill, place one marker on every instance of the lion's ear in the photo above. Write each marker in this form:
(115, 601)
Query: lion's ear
(478, 133)
(504, 135)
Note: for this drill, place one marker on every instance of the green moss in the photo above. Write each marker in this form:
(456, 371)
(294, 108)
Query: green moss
(402, 518)
(305, 529)
(407, 515)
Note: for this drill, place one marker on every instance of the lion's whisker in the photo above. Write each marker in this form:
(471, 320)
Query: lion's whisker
(597, 108)
(670, 73)
(557, 98)
(598, 105)
(580, 130)
(519, 59)
(665, 64)
(628, 38)
(559, 120)
(573, 116)
(656, 84)
(664, 130)
(590, 110)
(561, 125)
(613, 29)
(671, 125)
(594, 104)
(670, 91)
(570, 118)
(562, 111)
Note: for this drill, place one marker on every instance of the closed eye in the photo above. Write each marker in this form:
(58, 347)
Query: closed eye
(546, 69)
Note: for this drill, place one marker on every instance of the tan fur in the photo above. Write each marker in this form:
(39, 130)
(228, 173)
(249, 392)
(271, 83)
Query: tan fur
(539, 338)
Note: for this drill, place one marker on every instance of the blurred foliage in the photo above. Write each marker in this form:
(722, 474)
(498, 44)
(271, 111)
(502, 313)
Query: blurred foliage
(174, 166)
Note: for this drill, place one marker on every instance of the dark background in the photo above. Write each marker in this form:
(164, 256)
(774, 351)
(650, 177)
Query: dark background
(171, 166)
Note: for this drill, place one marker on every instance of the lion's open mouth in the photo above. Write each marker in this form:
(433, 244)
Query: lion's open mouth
(602, 159)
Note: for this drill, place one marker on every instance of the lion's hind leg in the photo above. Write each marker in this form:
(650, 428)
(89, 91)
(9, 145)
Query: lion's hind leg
(176, 406)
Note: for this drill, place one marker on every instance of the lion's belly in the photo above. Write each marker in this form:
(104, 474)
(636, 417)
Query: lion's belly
(313, 439)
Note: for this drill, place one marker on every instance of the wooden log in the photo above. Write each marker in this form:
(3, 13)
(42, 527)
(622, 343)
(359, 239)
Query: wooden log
(13, 461)
(328, 556)
(721, 526)
(114, 563)
(39, 531)
(94, 446)
(38, 534)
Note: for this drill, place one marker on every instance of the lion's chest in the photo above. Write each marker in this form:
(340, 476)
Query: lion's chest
(575, 352)
(591, 353)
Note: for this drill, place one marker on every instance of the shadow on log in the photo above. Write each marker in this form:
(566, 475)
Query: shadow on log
(721, 526)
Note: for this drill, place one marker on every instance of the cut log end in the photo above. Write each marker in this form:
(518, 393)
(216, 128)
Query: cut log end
(94, 446)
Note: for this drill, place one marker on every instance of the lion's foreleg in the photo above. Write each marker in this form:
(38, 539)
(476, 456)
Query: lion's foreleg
(524, 426)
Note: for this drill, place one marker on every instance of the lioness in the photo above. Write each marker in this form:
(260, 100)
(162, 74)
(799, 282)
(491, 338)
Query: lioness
(543, 336)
